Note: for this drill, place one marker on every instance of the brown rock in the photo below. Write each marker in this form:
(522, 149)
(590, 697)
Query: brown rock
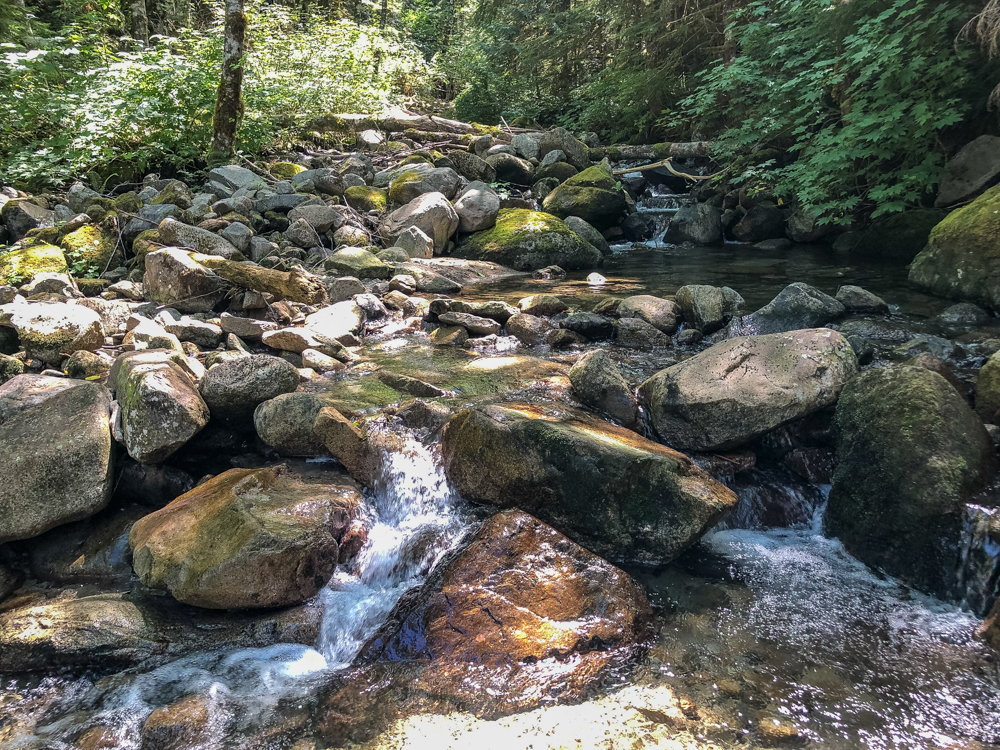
(179, 726)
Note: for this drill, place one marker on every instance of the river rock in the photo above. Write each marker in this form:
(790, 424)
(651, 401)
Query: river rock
(124, 630)
(707, 308)
(236, 387)
(511, 169)
(321, 218)
(530, 613)
(411, 184)
(593, 195)
(477, 208)
(662, 314)
(173, 232)
(745, 387)
(797, 306)
(910, 453)
(431, 213)
(51, 331)
(174, 278)
(20, 216)
(589, 325)
(988, 390)
(474, 324)
(528, 240)
(339, 321)
(598, 383)
(160, 405)
(286, 422)
(357, 262)
(624, 497)
(588, 233)
(698, 223)
(960, 259)
(635, 333)
(472, 167)
(973, 169)
(560, 139)
(861, 301)
(762, 222)
(55, 437)
(415, 243)
(247, 539)
(530, 329)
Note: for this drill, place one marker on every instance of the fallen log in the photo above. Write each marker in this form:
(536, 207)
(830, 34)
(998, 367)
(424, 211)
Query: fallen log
(658, 151)
(392, 123)
(670, 168)
(295, 285)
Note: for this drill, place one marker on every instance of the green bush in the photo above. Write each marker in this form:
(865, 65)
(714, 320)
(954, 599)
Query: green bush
(79, 105)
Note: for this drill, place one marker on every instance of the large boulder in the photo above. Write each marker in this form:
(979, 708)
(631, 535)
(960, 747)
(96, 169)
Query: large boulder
(472, 167)
(51, 331)
(707, 308)
(431, 213)
(973, 169)
(23, 264)
(593, 195)
(797, 306)
(512, 169)
(234, 388)
(477, 208)
(528, 240)
(762, 222)
(174, 278)
(286, 424)
(173, 232)
(247, 539)
(623, 497)
(698, 223)
(531, 614)
(745, 387)
(560, 139)
(962, 257)
(660, 313)
(910, 453)
(160, 405)
(411, 184)
(357, 262)
(55, 437)
(20, 216)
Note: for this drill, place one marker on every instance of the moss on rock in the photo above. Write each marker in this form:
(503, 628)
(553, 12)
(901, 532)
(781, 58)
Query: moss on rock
(528, 240)
(397, 190)
(285, 170)
(91, 250)
(593, 195)
(22, 265)
(363, 198)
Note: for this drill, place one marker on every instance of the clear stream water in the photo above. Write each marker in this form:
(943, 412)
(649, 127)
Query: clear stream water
(755, 625)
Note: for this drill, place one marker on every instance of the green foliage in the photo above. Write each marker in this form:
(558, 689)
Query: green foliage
(81, 267)
(859, 93)
(79, 105)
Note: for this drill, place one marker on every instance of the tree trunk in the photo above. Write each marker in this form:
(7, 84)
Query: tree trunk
(295, 285)
(140, 21)
(229, 101)
(383, 15)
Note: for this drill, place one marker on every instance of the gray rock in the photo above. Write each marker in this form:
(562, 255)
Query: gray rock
(50, 331)
(301, 234)
(57, 463)
(552, 157)
(148, 217)
(337, 321)
(797, 306)
(428, 280)
(662, 314)
(588, 324)
(598, 384)
(236, 178)
(342, 288)
(174, 278)
(858, 300)
(282, 202)
(804, 227)
(973, 169)
(431, 213)
(173, 232)
(415, 243)
(964, 314)
(235, 388)
(477, 208)
(700, 223)
(80, 196)
(161, 407)
(321, 218)
(762, 222)
(512, 169)
(238, 235)
(635, 333)
(260, 248)
(20, 216)
(246, 328)
(561, 139)
(474, 324)
(472, 167)
(743, 388)
(530, 329)
(707, 308)
(588, 233)
(205, 335)
(444, 181)
(286, 424)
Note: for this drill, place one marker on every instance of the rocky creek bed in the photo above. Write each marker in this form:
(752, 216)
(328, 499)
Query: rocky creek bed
(380, 457)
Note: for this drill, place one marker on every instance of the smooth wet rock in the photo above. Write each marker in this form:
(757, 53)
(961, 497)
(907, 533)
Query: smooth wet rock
(496, 310)
(662, 314)
(797, 307)
(185, 723)
(474, 324)
(589, 325)
(610, 490)
(635, 333)
(745, 387)
(530, 329)
(477, 208)
(858, 300)
(588, 233)
(55, 437)
(526, 610)
(449, 336)
(160, 405)
(910, 453)
(964, 314)
(542, 304)
(247, 539)
(598, 383)
(988, 390)
(526, 240)
(236, 387)
(286, 422)
(973, 169)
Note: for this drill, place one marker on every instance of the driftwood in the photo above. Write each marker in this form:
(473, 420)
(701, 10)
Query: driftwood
(392, 123)
(295, 285)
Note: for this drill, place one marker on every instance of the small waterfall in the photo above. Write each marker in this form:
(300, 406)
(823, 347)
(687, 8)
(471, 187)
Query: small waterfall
(978, 575)
(772, 497)
(414, 519)
(661, 206)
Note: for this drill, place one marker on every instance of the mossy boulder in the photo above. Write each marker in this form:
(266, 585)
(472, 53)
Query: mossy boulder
(528, 240)
(128, 202)
(22, 265)
(607, 488)
(593, 195)
(285, 170)
(42, 236)
(357, 262)
(560, 170)
(176, 193)
(910, 453)
(91, 249)
(962, 257)
(364, 199)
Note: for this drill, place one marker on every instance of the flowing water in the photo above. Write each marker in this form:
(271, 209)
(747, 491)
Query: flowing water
(767, 632)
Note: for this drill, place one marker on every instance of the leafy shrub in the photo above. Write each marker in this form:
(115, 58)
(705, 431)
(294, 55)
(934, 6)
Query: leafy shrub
(859, 92)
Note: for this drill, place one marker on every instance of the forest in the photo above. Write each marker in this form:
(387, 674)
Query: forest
(480, 375)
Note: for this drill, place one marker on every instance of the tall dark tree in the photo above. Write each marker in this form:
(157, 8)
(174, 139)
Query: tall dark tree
(140, 21)
(229, 100)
